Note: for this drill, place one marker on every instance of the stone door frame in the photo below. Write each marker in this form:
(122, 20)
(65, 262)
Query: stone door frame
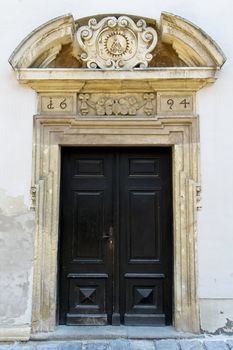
(50, 133)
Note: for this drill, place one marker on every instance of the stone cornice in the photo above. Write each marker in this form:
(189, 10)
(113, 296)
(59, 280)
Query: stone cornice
(68, 79)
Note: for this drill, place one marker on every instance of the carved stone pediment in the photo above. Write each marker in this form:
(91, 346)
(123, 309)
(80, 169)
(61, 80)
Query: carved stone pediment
(116, 43)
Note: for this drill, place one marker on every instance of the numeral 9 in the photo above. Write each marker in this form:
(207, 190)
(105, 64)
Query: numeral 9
(170, 103)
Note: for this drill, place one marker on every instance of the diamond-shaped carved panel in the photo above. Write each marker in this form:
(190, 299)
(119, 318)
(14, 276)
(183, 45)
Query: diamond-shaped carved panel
(144, 296)
(87, 296)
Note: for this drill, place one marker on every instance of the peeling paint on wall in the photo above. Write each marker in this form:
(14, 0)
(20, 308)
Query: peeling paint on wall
(216, 316)
(227, 329)
(16, 254)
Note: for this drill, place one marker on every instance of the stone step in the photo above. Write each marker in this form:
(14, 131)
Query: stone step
(125, 344)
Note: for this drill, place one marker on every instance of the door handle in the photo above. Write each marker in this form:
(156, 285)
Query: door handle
(109, 235)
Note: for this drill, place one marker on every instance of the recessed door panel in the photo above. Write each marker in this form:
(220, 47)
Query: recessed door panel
(88, 226)
(144, 301)
(87, 295)
(89, 167)
(144, 230)
(144, 166)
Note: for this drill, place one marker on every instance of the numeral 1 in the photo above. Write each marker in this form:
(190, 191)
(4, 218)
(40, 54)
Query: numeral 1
(50, 105)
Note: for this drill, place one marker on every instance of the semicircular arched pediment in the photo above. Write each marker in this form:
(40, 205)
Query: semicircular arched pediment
(117, 42)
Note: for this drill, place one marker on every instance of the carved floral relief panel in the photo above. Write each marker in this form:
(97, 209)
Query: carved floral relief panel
(117, 104)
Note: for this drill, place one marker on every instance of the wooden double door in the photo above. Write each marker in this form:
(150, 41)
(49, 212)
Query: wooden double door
(115, 236)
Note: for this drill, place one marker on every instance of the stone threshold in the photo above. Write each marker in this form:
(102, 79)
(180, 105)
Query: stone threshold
(112, 332)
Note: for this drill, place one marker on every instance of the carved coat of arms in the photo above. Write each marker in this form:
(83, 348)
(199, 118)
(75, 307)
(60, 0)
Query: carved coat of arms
(116, 43)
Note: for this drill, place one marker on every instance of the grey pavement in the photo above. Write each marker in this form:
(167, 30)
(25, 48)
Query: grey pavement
(211, 343)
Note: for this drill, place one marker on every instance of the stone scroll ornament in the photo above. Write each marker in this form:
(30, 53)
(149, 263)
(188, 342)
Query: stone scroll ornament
(116, 43)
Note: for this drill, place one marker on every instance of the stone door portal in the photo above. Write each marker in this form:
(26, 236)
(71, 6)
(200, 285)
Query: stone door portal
(116, 81)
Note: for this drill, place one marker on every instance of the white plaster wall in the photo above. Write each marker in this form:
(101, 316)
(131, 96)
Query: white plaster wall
(215, 105)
